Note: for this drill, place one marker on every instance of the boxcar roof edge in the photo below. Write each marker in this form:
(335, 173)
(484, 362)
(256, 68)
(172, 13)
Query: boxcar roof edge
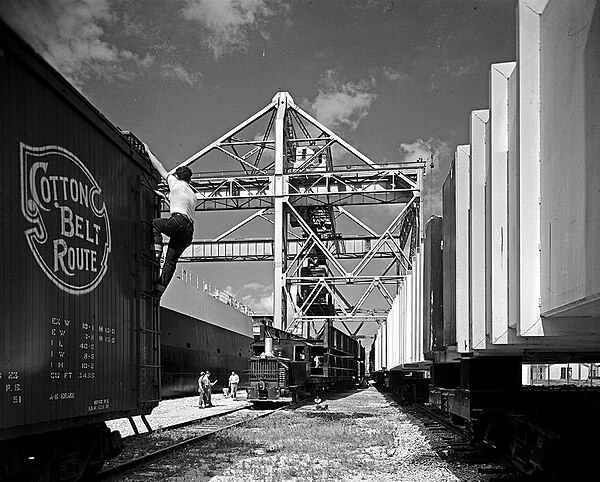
(33, 61)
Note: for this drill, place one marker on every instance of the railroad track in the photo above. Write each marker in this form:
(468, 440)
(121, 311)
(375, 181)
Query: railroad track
(145, 449)
(454, 444)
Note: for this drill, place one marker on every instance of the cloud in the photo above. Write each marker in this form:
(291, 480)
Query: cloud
(258, 297)
(69, 34)
(338, 103)
(263, 305)
(384, 6)
(389, 73)
(453, 68)
(229, 22)
(253, 286)
(460, 67)
(255, 295)
(177, 71)
(432, 151)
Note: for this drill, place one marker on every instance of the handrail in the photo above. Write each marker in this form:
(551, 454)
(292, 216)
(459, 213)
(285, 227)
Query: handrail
(204, 286)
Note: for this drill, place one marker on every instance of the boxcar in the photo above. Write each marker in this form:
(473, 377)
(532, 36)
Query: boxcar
(78, 340)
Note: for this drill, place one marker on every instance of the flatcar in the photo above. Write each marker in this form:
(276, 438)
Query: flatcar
(284, 366)
(79, 339)
(509, 274)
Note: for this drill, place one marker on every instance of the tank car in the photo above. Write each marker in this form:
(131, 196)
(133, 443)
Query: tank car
(284, 365)
(79, 340)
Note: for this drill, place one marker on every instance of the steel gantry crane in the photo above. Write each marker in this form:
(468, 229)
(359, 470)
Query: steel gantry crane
(294, 172)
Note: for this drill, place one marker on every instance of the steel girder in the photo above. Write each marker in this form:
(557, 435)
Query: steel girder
(285, 165)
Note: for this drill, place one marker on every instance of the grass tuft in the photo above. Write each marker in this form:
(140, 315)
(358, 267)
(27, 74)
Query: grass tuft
(314, 446)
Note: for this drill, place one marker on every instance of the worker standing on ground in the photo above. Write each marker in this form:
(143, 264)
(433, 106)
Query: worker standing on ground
(200, 391)
(207, 387)
(179, 226)
(234, 379)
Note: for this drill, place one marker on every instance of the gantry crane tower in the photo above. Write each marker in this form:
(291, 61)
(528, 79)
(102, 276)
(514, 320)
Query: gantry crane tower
(294, 172)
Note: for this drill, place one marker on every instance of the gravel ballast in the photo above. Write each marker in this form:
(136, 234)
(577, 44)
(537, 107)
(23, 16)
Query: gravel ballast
(360, 436)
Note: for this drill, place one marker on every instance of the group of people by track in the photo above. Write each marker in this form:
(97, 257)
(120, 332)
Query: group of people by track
(205, 388)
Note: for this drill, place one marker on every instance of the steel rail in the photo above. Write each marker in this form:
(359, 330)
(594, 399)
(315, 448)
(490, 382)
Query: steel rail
(440, 419)
(163, 452)
(504, 463)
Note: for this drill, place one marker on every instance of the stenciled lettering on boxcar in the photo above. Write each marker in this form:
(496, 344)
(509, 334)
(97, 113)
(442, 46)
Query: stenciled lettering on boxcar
(70, 236)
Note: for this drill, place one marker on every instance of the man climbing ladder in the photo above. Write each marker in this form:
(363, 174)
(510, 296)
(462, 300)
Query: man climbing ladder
(179, 226)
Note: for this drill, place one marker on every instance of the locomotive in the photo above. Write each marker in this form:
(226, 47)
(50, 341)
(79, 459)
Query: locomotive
(285, 366)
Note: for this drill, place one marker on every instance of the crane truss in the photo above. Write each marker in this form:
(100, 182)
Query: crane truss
(294, 172)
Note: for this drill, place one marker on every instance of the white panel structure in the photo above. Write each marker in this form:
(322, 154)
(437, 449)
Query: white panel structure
(393, 342)
(376, 352)
(462, 160)
(401, 337)
(522, 205)
(401, 301)
(497, 202)
(570, 152)
(542, 184)
(407, 321)
(381, 348)
(528, 49)
(477, 239)
(417, 331)
(513, 200)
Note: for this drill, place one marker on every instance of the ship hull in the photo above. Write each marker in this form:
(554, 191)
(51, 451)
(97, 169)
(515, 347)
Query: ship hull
(199, 333)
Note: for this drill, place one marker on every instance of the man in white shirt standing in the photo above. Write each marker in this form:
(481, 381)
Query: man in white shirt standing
(179, 226)
(234, 380)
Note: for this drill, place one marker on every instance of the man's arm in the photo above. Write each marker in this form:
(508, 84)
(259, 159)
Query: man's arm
(156, 163)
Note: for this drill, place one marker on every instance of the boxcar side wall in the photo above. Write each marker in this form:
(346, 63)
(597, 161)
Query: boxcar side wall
(76, 217)
(477, 239)
(497, 202)
(433, 318)
(449, 256)
(570, 171)
(338, 340)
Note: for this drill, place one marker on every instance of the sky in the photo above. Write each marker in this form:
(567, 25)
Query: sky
(397, 79)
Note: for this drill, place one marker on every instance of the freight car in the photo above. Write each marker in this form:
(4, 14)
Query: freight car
(201, 331)
(519, 245)
(284, 365)
(78, 342)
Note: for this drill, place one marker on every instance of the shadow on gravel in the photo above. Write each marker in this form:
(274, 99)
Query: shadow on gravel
(335, 394)
(336, 415)
(306, 399)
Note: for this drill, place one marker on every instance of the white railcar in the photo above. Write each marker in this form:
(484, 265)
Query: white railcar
(521, 253)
